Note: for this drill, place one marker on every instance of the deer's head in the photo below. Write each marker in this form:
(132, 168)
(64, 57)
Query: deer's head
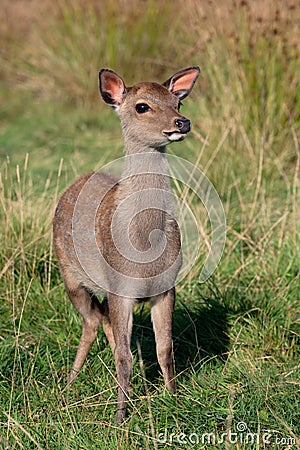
(149, 112)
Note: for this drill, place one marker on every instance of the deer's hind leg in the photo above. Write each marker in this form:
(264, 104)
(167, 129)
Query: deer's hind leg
(93, 313)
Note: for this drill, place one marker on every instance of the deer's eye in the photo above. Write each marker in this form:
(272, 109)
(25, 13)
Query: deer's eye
(141, 108)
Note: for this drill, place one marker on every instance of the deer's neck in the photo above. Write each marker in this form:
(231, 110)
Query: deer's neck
(144, 196)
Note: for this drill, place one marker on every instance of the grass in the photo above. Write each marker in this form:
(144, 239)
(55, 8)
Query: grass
(236, 337)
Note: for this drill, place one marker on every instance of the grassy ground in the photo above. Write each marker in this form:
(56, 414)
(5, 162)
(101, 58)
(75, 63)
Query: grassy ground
(236, 337)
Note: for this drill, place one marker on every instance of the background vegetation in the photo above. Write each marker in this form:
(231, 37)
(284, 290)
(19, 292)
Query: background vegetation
(236, 338)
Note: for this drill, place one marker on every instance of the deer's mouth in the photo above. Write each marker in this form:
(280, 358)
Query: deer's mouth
(175, 135)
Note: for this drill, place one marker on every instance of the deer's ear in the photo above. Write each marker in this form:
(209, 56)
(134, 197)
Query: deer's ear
(181, 83)
(112, 88)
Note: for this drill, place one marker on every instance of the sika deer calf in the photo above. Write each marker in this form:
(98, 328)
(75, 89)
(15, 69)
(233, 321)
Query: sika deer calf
(119, 236)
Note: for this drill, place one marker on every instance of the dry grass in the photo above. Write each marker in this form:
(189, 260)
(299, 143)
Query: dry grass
(236, 338)
(55, 48)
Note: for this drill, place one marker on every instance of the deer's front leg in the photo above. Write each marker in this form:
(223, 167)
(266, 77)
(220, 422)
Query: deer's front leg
(120, 313)
(162, 313)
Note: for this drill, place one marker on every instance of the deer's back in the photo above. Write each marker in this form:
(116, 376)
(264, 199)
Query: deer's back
(73, 224)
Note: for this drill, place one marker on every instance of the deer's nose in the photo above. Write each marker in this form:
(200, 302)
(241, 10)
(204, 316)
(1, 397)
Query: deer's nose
(183, 125)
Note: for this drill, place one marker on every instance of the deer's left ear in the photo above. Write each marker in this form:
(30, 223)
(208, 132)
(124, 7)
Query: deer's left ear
(181, 83)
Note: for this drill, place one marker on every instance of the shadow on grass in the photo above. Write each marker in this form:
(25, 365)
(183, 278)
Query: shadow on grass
(200, 331)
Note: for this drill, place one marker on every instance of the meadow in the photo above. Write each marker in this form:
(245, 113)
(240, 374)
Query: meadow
(236, 336)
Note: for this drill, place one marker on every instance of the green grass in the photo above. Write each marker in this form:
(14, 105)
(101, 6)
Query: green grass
(236, 337)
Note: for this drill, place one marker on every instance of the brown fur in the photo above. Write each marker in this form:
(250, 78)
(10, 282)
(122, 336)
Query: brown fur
(144, 134)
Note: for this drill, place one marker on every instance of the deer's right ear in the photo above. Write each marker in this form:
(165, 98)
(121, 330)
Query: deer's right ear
(112, 88)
